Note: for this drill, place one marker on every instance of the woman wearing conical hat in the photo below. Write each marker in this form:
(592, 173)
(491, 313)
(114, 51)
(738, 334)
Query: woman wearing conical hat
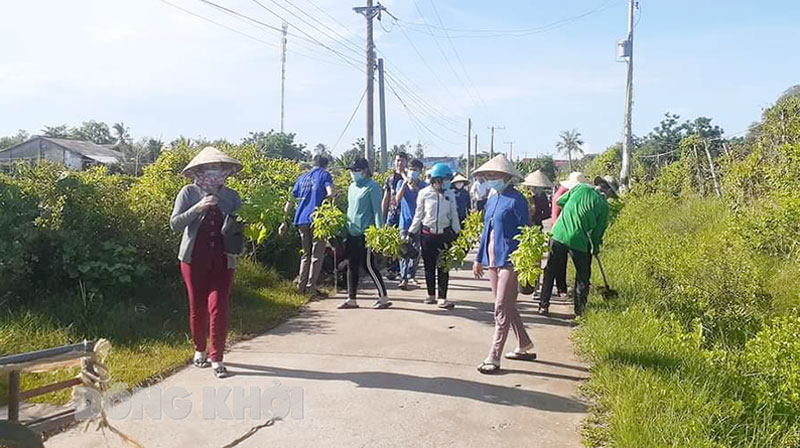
(537, 182)
(506, 211)
(200, 210)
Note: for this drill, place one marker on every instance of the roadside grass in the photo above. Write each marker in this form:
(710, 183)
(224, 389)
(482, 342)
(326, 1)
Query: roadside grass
(700, 349)
(149, 333)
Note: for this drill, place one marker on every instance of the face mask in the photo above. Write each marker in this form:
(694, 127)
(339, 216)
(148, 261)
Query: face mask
(211, 178)
(446, 185)
(357, 175)
(414, 174)
(497, 185)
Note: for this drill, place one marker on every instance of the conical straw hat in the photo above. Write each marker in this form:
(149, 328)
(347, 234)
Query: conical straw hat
(575, 178)
(500, 164)
(459, 178)
(210, 154)
(537, 179)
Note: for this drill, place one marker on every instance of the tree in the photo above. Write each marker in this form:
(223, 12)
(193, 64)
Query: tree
(322, 150)
(60, 131)
(11, 140)
(278, 145)
(544, 163)
(122, 133)
(419, 152)
(347, 157)
(93, 131)
(570, 144)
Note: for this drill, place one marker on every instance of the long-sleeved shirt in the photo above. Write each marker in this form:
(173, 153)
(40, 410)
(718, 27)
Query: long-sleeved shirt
(556, 210)
(462, 203)
(583, 219)
(505, 213)
(436, 211)
(363, 206)
(186, 219)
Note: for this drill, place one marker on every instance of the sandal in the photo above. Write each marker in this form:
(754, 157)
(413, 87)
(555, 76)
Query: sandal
(521, 356)
(201, 362)
(221, 372)
(488, 368)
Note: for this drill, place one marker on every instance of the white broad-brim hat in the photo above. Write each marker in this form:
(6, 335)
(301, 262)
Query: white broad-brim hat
(610, 183)
(537, 179)
(575, 178)
(459, 178)
(500, 164)
(210, 155)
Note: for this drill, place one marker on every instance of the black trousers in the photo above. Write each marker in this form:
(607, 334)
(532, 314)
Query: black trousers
(583, 273)
(432, 246)
(358, 255)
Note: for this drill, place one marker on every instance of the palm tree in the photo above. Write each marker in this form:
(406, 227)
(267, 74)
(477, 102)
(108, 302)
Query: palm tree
(122, 133)
(570, 143)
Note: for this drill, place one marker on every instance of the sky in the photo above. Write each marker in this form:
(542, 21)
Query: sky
(533, 67)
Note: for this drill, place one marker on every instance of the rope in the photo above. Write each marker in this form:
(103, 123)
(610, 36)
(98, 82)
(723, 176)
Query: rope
(250, 433)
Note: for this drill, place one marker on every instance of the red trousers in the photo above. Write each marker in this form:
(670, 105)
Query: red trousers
(209, 288)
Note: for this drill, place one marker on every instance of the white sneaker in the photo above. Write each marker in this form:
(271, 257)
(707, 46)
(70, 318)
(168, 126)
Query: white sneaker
(200, 359)
(443, 303)
(430, 300)
(413, 282)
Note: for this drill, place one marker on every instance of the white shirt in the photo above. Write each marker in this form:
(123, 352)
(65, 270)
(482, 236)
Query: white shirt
(435, 211)
(480, 190)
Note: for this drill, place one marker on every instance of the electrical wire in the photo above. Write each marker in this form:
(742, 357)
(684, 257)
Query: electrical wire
(347, 59)
(414, 118)
(347, 126)
(359, 46)
(458, 57)
(487, 33)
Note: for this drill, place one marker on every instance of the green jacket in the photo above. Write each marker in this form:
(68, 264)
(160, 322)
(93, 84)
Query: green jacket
(363, 206)
(584, 211)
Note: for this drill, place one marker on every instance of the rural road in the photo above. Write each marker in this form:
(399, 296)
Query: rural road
(400, 377)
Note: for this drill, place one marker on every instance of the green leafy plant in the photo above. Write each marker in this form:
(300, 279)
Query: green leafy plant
(527, 259)
(454, 257)
(328, 221)
(385, 241)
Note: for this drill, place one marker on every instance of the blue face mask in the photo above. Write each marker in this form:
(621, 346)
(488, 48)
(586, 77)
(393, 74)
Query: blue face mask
(446, 185)
(497, 185)
(357, 175)
(414, 174)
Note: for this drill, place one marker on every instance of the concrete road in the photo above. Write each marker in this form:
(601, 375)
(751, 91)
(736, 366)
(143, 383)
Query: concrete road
(400, 377)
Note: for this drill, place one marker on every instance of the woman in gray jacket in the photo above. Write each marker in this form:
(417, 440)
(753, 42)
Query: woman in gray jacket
(200, 210)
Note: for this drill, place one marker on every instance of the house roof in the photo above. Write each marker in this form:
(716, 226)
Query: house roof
(85, 148)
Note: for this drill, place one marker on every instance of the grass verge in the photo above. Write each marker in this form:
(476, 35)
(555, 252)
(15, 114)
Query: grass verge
(149, 340)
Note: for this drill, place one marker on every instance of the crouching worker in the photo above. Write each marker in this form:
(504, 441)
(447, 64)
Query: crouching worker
(203, 211)
(579, 233)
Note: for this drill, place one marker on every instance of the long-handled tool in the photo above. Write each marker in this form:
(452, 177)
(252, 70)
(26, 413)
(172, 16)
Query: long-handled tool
(605, 290)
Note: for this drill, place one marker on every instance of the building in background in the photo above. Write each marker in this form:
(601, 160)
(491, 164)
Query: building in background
(76, 155)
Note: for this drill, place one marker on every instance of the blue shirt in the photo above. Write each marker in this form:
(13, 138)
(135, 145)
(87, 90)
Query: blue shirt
(408, 205)
(310, 190)
(462, 202)
(505, 213)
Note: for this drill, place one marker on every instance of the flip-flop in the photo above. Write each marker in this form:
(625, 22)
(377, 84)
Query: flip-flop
(347, 306)
(488, 368)
(524, 356)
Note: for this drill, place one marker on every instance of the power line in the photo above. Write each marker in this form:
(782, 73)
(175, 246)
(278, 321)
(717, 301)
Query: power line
(358, 45)
(485, 33)
(425, 108)
(347, 126)
(413, 117)
(241, 33)
(458, 56)
(347, 59)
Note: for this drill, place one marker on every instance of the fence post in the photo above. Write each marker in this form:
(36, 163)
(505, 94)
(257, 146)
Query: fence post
(13, 396)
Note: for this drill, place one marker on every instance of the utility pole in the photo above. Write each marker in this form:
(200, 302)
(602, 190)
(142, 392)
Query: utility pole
(382, 101)
(476, 151)
(469, 143)
(627, 140)
(510, 150)
(491, 146)
(285, 29)
(370, 12)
